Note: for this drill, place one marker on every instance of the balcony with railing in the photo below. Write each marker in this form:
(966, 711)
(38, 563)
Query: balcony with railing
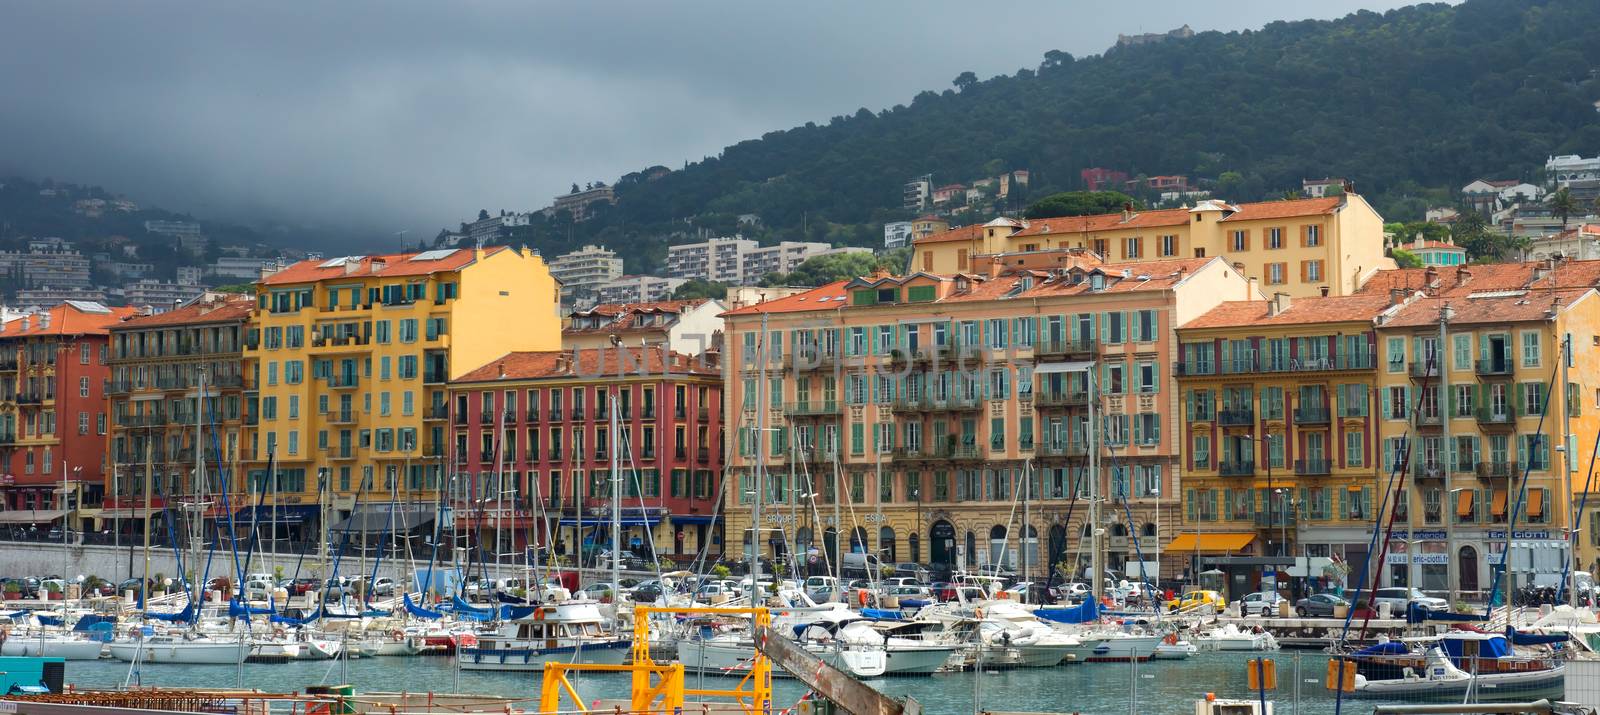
(1313, 467)
(1428, 470)
(1236, 418)
(812, 408)
(1237, 468)
(964, 451)
(1060, 398)
(341, 417)
(339, 341)
(1312, 416)
(1426, 368)
(1497, 416)
(1277, 517)
(1498, 471)
(344, 382)
(1061, 448)
(1064, 347)
(436, 412)
(1494, 368)
(1429, 418)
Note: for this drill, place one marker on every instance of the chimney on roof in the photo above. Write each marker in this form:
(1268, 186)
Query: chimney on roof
(1127, 210)
(561, 362)
(997, 265)
(1280, 303)
(1430, 277)
(1463, 276)
(1397, 296)
(1324, 291)
(502, 367)
(1252, 288)
(44, 320)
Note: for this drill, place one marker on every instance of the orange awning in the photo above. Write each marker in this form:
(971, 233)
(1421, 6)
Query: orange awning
(1464, 503)
(1224, 543)
(1535, 502)
(1499, 504)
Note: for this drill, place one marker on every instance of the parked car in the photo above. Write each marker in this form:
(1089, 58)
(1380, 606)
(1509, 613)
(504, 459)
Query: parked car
(916, 572)
(1318, 604)
(900, 581)
(598, 590)
(257, 590)
(647, 592)
(1264, 603)
(943, 590)
(299, 586)
(1399, 597)
(918, 592)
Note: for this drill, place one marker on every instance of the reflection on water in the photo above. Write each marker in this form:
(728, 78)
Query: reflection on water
(1156, 688)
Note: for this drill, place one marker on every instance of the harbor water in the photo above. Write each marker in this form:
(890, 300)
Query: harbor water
(1154, 688)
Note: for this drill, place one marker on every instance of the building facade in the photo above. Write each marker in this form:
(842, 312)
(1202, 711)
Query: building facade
(638, 289)
(1280, 437)
(914, 413)
(535, 429)
(349, 360)
(157, 364)
(586, 269)
(1299, 246)
(686, 327)
(53, 376)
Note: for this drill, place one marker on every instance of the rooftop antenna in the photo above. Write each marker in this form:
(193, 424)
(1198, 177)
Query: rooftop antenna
(402, 234)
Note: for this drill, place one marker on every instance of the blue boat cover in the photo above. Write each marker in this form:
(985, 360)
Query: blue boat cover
(47, 620)
(186, 614)
(882, 614)
(511, 613)
(238, 609)
(1389, 648)
(90, 620)
(1520, 638)
(504, 597)
(1081, 613)
(418, 611)
(292, 621)
(1415, 613)
(461, 606)
(1491, 647)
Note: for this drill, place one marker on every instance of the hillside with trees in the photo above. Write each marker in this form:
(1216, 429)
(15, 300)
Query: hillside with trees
(1409, 104)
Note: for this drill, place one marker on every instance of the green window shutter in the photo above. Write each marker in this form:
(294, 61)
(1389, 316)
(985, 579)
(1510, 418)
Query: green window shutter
(1188, 502)
(1227, 503)
(1338, 504)
(1305, 508)
(1217, 510)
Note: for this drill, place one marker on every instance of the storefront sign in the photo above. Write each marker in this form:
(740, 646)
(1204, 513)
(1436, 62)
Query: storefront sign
(1432, 559)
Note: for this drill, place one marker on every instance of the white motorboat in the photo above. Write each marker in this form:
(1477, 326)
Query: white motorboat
(1441, 679)
(319, 647)
(564, 633)
(188, 649)
(49, 644)
(394, 643)
(1232, 637)
(273, 651)
(1174, 648)
(834, 641)
(1119, 647)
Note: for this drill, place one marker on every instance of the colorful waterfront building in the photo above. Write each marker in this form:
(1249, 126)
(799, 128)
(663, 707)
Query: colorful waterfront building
(1482, 386)
(53, 377)
(1280, 437)
(157, 365)
(348, 360)
(1302, 247)
(533, 446)
(922, 416)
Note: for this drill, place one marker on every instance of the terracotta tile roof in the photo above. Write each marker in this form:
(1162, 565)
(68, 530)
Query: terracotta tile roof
(965, 233)
(597, 362)
(394, 264)
(827, 297)
(1301, 311)
(1268, 210)
(1488, 276)
(69, 318)
(660, 306)
(1488, 307)
(230, 308)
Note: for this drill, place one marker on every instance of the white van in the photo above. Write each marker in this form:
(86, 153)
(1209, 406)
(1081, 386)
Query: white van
(865, 565)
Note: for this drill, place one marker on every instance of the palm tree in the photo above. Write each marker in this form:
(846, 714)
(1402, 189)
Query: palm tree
(1562, 203)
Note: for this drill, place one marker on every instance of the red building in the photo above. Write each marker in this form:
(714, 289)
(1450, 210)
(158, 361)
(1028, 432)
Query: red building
(1100, 179)
(543, 425)
(53, 379)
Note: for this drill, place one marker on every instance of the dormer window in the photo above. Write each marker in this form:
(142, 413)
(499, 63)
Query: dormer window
(1097, 281)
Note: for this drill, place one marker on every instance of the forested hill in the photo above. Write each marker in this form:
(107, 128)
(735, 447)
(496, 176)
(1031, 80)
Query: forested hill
(1409, 104)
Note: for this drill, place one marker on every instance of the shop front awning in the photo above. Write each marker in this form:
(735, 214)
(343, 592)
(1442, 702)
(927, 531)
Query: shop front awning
(378, 520)
(125, 514)
(1220, 543)
(626, 521)
(30, 516)
(267, 514)
(682, 519)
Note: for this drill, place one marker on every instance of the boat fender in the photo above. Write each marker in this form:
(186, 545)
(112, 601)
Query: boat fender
(538, 614)
(397, 634)
(977, 613)
(279, 632)
(861, 595)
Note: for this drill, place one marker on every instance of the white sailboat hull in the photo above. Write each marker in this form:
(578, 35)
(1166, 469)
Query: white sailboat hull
(178, 652)
(1121, 650)
(52, 647)
(917, 660)
(525, 656)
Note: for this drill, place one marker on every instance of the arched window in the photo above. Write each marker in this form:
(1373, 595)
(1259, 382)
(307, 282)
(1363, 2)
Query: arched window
(1119, 529)
(1030, 547)
(998, 555)
(830, 545)
(858, 540)
(886, 545)
(971, 552)
(915, 541)
(1149, 529)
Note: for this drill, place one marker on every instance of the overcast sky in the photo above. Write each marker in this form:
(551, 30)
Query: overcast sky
(413, 115)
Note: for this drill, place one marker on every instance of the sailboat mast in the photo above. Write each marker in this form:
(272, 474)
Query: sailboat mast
(761, 461)
(616, 498)
(198, 529)
(1096, 556)
(149, 471)
(1027, 487)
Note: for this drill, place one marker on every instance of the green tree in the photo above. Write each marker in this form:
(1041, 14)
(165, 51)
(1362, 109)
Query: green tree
(697, 288)
(1405, 259)
(1562, 203)
(235, 288)
(965, 80)
(1080, 203)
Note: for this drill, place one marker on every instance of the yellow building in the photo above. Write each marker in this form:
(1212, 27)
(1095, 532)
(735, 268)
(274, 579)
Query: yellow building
(1280, 436)
(1476, 378)
(349, 360)
(1302, 247)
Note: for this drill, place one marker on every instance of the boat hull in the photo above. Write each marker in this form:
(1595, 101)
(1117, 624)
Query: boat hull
(1122, 650)
(1549, 683)
(68, 648)
(901, 660)
(482, 657)
(184, 653)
